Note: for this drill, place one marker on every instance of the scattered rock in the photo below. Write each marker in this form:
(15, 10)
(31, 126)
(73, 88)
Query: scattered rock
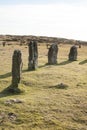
(2, 117)
(11, 101)
(62, 86)
(12, 116)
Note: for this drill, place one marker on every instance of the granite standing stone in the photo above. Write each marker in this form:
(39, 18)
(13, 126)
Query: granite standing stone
(52, 54)
(33, 55)
(4, 43)
(16, 68)
(73, 53)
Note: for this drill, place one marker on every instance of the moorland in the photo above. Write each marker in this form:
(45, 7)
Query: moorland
(43, 104)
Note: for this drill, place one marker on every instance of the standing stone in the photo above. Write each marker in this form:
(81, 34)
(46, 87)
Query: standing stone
(73, 53)
(4, 43)
(79, 45)
(52, 54)
(33, 55)
(16, 68)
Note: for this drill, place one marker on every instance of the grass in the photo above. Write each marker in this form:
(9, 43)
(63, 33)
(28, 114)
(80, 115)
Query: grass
(45, 106)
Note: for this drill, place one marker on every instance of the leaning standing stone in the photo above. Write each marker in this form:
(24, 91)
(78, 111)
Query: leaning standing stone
(33, 55)
(16, 68)
(73, 53)
(52, 54)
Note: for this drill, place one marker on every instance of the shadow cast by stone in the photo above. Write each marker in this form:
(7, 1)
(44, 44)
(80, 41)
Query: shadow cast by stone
(60, 86)
(9, 74)
(25, 70)
(83, 62)
(5, 75)
(65, 62)
(10, 91)
(41, 66)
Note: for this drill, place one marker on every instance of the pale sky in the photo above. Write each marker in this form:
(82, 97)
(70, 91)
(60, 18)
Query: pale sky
(56, 18)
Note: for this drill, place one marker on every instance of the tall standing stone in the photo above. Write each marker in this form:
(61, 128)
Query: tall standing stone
(33, 55)
(73, 53)
(16, 68)
(52, 54)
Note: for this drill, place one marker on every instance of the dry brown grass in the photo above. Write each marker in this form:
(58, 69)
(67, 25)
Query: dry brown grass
(45, 106)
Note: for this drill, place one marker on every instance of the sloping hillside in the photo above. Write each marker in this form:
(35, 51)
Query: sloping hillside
(41, 39)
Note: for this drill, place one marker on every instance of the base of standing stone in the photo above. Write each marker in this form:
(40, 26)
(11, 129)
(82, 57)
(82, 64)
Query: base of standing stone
(32, 67)
(72, 59)
(52, 63)
(12, 90)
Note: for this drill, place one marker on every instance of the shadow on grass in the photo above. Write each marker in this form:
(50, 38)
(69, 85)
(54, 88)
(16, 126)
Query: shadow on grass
(5, 75)
(25, 70)
(9, 74)
(65, 62)
(83, 62)
(62, 63)
(60, 86)
(10, 91)
(41, 66)
(45, 65)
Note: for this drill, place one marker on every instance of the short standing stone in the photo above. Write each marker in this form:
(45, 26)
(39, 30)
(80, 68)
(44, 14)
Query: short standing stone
(4, 43)
(79, 45)
(16, 68)
(52, 54)
(33, 55)
(73, 53)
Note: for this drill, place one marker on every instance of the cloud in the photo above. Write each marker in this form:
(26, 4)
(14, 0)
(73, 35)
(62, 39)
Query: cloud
(46, 20)
(37, 2)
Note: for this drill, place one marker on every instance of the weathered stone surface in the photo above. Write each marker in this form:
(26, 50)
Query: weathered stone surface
(73, 53)
(33, 55)
(12, 116)
(52, 54)
(16, 68)
(11, 101)
(4, 116)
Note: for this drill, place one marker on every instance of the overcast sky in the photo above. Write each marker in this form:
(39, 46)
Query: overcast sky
(56, 18)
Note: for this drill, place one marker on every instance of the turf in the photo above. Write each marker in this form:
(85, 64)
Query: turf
(45, 105)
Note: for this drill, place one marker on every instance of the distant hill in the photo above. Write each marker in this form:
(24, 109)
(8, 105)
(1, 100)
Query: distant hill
(42, 39)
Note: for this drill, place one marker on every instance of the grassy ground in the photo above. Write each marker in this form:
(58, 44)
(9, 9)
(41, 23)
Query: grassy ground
(44, 105)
